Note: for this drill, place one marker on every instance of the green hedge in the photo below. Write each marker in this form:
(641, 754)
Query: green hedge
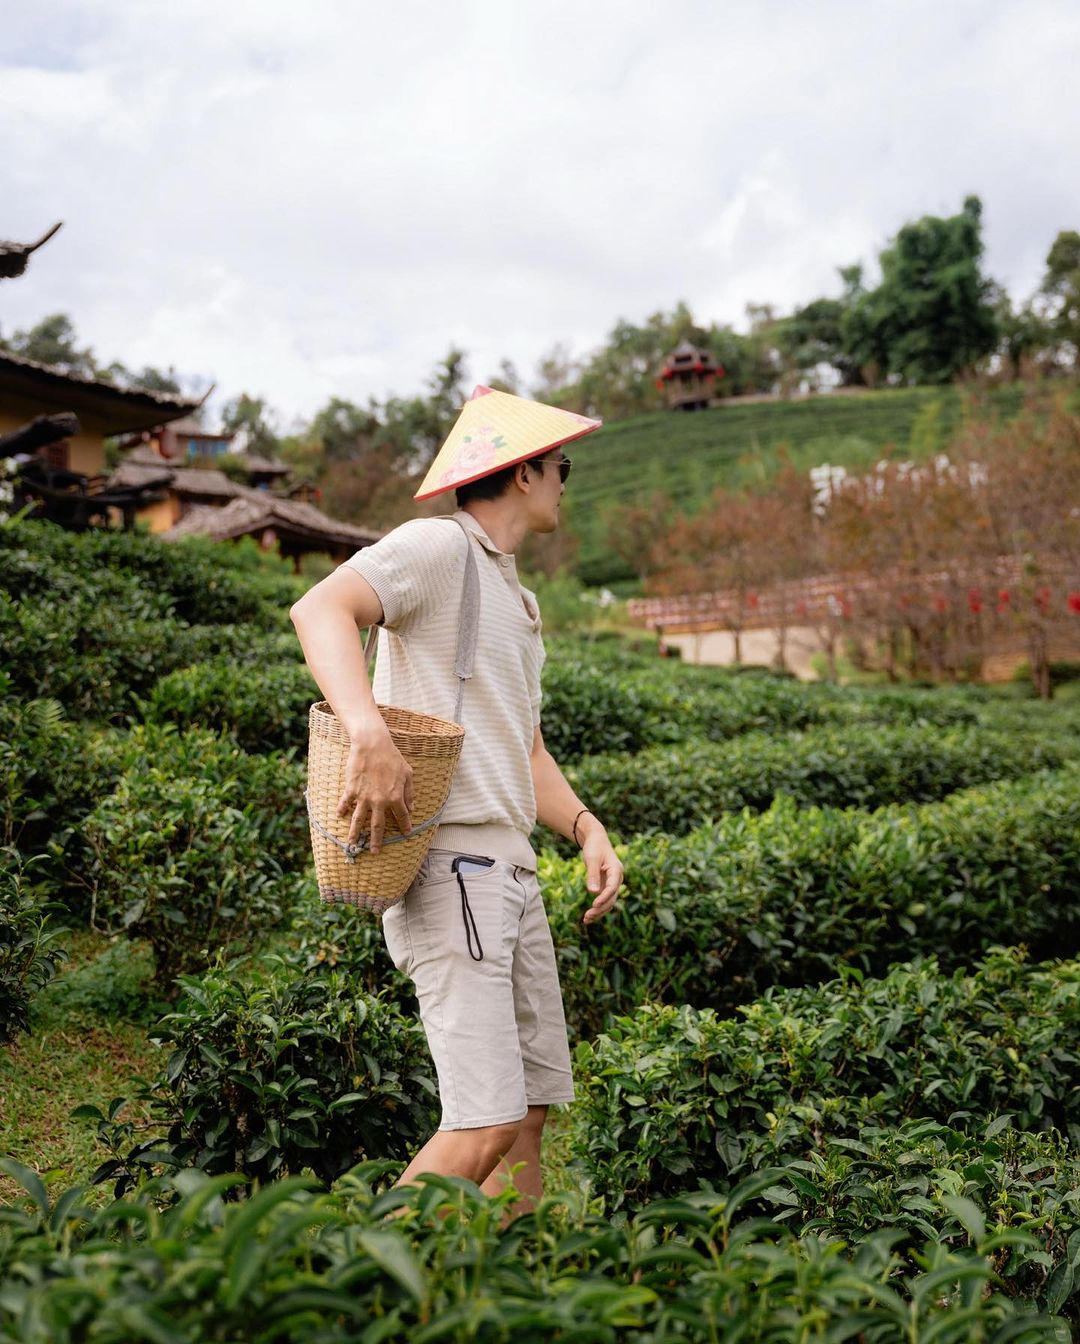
(199, 581)
(921, 1177)
(56, 773)
(200, 845)
(29, 951)
(52, 773)
(95, 660)
(94, 619)
(674, 789)
(594, 710)
(176, 1264)
(788, 895)
(264, 707)
(674, 1093)
(268, 1073)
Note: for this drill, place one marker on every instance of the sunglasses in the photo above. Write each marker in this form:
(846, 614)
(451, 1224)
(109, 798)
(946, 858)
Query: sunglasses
(564, 464)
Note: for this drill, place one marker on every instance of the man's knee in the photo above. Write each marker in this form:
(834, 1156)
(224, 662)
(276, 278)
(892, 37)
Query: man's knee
(495, 1141)
(533, 1123)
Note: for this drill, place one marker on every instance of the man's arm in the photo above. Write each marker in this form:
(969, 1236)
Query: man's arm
(556, 806)
(378, 779)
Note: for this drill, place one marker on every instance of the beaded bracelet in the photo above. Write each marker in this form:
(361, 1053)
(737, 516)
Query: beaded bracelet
(582, 813)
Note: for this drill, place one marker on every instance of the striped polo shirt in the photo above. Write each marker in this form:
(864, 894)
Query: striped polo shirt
(418, 570)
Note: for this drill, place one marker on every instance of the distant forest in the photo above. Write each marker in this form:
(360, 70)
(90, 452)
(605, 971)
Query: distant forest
(933, 317)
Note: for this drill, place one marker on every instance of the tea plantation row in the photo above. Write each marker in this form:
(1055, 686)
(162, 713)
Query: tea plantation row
(887, 1155)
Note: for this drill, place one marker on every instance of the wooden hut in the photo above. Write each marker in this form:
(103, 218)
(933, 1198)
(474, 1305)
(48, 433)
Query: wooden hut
(688, 378)
(295, 528)
(29, 390)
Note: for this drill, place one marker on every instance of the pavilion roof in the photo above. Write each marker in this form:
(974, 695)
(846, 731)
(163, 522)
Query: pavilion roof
(186, 481)
(257, 510)
(117, 409)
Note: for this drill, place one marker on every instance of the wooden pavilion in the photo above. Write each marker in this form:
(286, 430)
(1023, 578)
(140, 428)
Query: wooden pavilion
(688, 378)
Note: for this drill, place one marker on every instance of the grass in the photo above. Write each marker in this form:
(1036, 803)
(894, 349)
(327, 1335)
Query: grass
(72, 1056)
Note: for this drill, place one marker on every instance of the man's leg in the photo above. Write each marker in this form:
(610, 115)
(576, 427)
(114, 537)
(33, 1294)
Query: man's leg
(525, 1148)
(465, 1152)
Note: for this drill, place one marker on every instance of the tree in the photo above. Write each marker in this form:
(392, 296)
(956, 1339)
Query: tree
(344, 431)
(1025, 336)
(932, 316)
(1061, 289)
(556, 378)
(507, 379)
(148, 379)
(53, 341)
(633, 530)
(814, 335)
(750, 362)
(252, 416)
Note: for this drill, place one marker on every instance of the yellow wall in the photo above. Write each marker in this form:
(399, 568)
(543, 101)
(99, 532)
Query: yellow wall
(86, 450)
(160, 516)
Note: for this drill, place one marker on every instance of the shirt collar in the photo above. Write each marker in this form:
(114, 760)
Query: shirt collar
(471, 525)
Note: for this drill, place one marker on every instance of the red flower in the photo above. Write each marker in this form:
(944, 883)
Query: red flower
(1074, 602)
(1042, 598)
(975, 602)
(1003, 599)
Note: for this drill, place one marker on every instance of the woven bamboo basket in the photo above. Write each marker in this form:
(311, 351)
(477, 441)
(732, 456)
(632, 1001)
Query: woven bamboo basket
(353, 875)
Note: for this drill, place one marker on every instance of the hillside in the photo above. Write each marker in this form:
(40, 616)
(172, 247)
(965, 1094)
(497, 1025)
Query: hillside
(689, 455)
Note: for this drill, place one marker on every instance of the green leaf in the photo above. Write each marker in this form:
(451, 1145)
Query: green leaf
(1059, 1288)
(29, 1180)
(391, 1253)
(968, 1215)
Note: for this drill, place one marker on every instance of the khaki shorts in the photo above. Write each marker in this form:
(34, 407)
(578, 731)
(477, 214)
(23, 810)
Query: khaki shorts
(483, 965)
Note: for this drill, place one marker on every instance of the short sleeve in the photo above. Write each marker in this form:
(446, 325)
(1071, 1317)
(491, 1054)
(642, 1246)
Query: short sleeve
(411, 568)
(536, 694)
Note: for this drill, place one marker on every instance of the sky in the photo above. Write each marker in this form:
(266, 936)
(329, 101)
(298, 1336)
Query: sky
(301, 201)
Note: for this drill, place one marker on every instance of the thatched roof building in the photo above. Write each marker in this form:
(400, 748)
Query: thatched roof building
(293, 526)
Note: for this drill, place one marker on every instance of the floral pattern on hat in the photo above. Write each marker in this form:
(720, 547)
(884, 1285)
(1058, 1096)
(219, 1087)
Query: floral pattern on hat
(482, 450)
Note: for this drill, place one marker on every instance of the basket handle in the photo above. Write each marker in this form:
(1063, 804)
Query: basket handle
(358, 847)
(468, 625)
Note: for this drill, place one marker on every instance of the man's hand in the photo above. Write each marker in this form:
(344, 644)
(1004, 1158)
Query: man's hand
(378, 781)
(603, 871)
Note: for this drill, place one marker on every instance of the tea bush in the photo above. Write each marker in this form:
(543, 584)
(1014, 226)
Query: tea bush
(295, 1263)
(271, 783)
(323, 938)
(96, 662)
(51, 774)
(202, 582)
(589, 711)
(269, 1073)
(198, 846)
(264, 707)
(671, 1093)
(94, 619)
(789, 895)
(29, 950)
(674, 789)
(911, 1177)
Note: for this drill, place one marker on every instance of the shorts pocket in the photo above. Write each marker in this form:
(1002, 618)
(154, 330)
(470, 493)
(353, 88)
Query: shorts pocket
(395, 927)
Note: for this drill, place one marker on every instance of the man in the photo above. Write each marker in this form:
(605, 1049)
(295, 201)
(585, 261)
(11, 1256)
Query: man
(471, 932)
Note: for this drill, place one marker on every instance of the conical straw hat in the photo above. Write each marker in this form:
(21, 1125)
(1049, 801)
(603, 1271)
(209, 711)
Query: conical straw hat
(496, 430)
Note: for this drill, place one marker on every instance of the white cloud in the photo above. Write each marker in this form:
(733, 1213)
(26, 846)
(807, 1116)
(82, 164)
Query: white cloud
(302, 201)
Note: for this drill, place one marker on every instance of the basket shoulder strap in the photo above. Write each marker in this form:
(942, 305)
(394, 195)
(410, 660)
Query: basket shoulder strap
(468, 624)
